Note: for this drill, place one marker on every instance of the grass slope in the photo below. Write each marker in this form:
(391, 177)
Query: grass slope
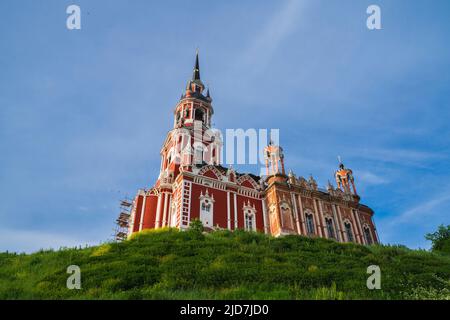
(169, 264)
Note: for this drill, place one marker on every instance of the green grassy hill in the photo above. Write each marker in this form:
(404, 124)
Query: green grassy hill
(169, 264)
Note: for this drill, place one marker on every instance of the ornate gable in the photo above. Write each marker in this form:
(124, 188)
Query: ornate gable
(247, 181)
(210, 171)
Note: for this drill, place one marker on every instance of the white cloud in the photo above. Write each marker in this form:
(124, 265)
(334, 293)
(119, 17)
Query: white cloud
(371, 178)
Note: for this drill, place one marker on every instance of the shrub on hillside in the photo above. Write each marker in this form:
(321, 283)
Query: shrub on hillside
(440, 239)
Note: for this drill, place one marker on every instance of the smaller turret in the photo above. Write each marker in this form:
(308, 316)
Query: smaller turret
(344, 179)
(274, 157)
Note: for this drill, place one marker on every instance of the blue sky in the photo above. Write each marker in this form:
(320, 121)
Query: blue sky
(83, 113)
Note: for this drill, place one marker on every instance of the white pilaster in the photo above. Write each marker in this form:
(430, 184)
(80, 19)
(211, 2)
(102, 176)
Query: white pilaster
(142, 212)
(266, 229)
(228, 211)
(165, 210)
(297, 223)
(235, 212)
(318, 227)
(158, 211)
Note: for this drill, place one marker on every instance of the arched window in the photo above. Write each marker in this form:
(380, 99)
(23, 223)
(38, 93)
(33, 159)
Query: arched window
(198, 156)
(250, 221)
(348, 231)
(206, 209)
(330, 228)
(249, 217)
(286, 216)
(368, 235)
(310, 224)
(199, 114)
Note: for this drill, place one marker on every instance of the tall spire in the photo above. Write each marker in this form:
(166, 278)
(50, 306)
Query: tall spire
(196, 73)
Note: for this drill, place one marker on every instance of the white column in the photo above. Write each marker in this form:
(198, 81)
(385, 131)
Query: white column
(353, 227)
(338, 218)
(228, 211)
(169, 211)
(235, 212)
(318, 227)
(266, 231)
(158, 209)
(302, 213)
(297, 223)
(361, 231)
(324, 224)
(166, 196)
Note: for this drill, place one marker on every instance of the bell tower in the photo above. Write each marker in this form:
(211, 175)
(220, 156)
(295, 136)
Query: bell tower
(192, 141)
(195, 104)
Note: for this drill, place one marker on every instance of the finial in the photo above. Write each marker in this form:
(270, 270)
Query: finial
(196, 74)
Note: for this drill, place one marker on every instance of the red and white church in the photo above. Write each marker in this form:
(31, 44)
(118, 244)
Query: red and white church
(192, 184)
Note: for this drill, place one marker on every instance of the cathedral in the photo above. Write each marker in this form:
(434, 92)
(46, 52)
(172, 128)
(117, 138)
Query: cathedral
(192, 184)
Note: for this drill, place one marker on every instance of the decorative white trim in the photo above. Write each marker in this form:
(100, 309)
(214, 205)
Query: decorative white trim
(248, 178)
(212, 168)
(207, 200)
(186, 204)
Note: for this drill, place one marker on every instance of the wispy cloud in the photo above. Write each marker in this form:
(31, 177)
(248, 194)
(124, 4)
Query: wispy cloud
(278, 27)
(416, 221)
(424, 210)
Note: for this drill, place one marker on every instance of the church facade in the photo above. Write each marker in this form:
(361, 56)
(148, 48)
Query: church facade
(192, 184)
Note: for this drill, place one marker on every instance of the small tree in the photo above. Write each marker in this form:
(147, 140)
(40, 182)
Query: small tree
(196, 225)
(440, 239)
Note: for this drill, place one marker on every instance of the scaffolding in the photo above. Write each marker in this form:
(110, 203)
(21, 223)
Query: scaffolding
(123, 221)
